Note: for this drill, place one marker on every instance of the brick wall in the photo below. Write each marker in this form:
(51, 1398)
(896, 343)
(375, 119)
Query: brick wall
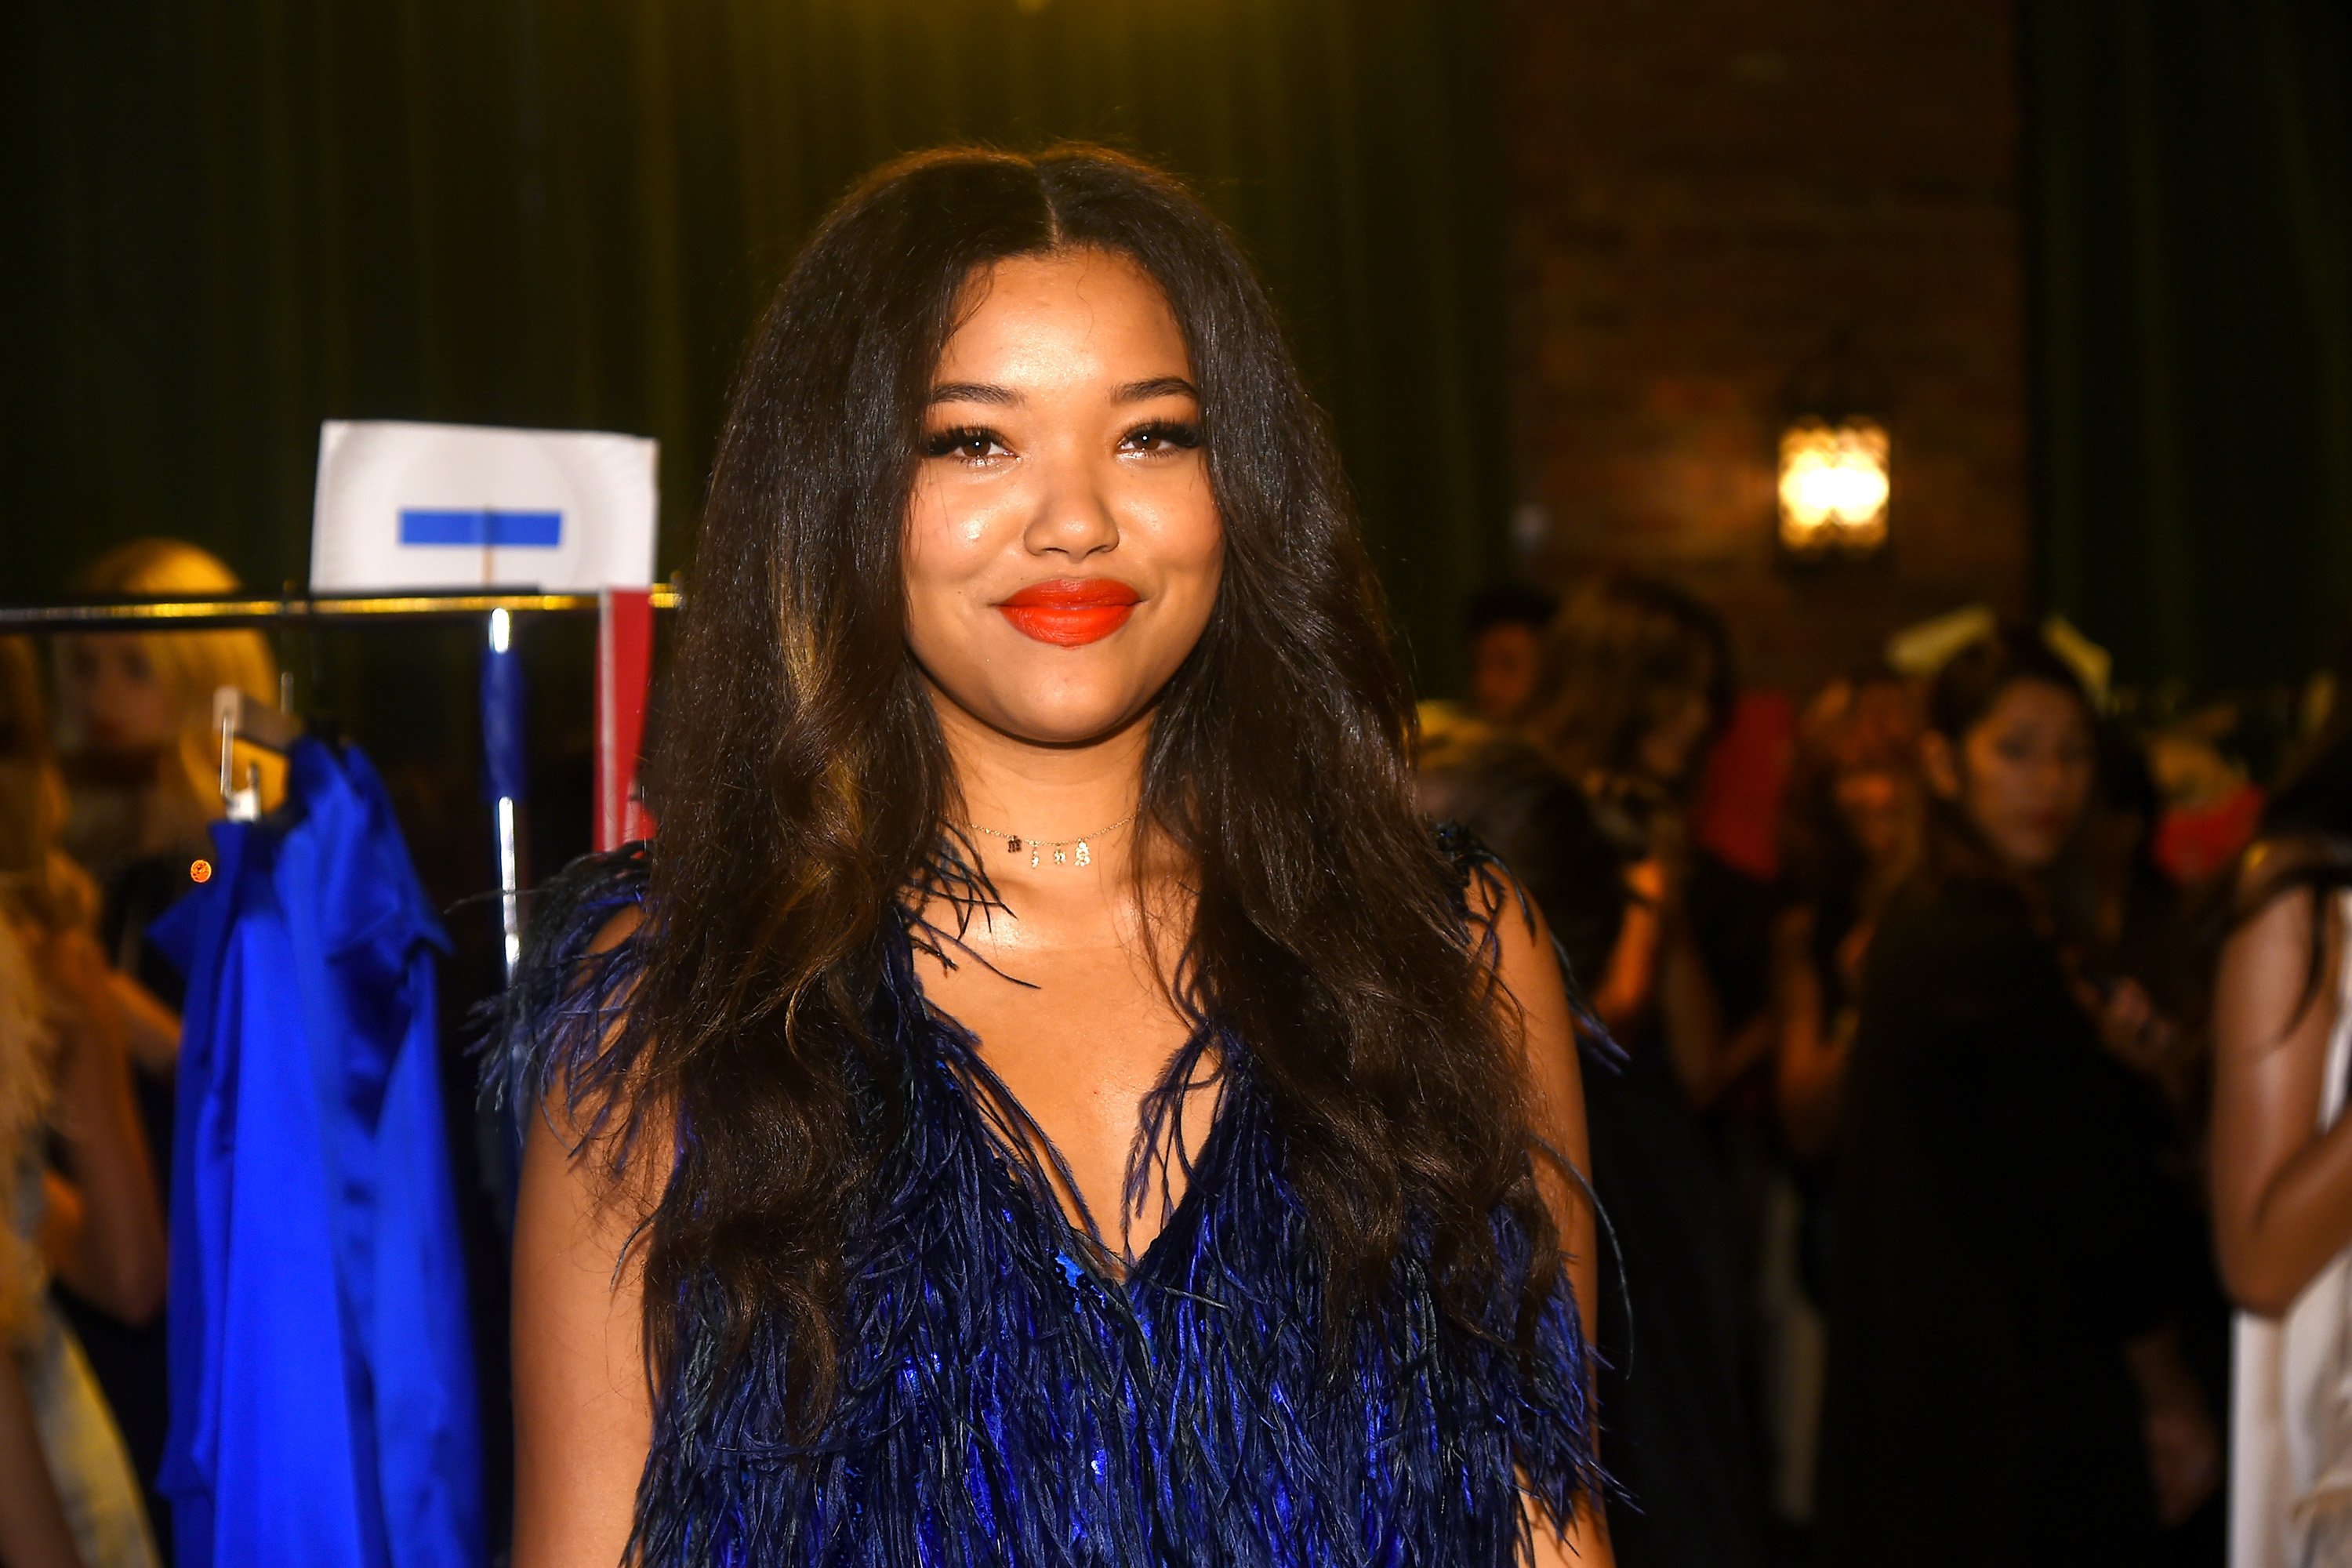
(1705, 194)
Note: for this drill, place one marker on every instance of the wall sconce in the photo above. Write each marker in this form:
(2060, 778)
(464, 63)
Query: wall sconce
(1834, 487)
(1835, 475)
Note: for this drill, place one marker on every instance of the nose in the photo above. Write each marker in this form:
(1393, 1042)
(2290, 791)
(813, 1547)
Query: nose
(1074, 518)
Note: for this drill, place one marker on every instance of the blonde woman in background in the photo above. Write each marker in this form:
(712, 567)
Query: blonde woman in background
(135, 728)
(69, 1494)
(142, 765)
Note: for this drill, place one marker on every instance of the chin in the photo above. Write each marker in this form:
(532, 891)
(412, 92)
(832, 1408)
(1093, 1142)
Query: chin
(2032, 857)
(1065, 718)
(1065, 727)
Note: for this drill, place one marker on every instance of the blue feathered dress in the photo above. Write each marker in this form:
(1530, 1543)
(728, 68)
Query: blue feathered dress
(1007, 1399)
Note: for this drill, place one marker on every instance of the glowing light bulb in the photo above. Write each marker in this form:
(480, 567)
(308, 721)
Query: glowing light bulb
(1834, 486)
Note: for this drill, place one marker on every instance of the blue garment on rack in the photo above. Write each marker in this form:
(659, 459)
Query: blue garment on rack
(323, 1403)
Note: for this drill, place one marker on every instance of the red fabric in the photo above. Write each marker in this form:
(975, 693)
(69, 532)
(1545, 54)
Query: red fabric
(625, 648)
(1738, 811)
(2195, 846)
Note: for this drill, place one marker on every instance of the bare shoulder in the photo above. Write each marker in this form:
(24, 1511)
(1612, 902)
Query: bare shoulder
(599, 1129)
(2282, 955)
(596, 1113)
(1510, 934)
(1515, 940)
(624, 923)
(1514, 946)
(593, 1173)
(2280, 864)
(2274, 910)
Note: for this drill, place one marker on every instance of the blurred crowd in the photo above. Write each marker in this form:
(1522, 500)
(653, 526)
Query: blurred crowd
(1902, 1071)
(1929, 1156)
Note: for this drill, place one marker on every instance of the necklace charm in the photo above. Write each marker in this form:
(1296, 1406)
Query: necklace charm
(1066, 851)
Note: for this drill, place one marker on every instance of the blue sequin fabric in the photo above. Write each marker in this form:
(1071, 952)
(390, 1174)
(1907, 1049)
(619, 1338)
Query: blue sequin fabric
(1006, 1398)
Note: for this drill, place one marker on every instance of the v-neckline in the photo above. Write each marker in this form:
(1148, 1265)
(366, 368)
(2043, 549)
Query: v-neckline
(992, 1104)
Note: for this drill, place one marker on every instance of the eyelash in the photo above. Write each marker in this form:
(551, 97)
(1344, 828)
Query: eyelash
(944, 443)
(1181, 435)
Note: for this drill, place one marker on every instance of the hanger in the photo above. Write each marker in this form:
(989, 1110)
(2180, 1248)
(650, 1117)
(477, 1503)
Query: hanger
(239, 717)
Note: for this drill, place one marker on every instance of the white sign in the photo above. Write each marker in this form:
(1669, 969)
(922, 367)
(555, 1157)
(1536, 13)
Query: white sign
(464, 507)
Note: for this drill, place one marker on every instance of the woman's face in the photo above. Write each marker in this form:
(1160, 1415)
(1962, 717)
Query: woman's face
(1063, 548)
(114, 696)
(1504, 660)
(1880, 807)
(2024, 772)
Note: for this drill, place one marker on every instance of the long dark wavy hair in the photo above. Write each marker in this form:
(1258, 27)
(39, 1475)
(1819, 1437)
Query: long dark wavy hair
(803, 787)
(1965, 691)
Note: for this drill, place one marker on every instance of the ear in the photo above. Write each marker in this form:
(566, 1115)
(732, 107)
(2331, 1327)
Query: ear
(1940, 765)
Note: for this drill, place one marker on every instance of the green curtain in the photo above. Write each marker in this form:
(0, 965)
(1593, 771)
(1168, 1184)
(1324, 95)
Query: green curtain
(2190, 190)
(233, 218)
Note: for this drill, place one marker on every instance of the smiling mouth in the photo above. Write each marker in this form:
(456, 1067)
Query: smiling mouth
(1071, 612)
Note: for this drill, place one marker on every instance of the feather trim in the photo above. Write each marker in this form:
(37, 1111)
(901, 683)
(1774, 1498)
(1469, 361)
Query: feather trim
(553, 1027)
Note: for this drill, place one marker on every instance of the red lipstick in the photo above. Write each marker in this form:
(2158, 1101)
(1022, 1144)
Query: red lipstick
(1070, 611)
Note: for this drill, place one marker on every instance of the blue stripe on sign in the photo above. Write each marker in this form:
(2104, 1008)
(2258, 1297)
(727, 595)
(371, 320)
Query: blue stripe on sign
(503, 530)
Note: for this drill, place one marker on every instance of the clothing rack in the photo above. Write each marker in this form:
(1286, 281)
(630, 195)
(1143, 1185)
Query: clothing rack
(239, 719)
(227, 613)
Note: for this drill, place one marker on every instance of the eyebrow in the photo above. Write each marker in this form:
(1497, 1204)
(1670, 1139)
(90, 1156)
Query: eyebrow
(1005, 397)
(1158, 387)
(974, 392)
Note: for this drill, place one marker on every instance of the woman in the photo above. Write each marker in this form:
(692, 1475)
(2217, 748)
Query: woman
(1050, 1100)
(1850, 836)
(2283, 1167)
(2004, 1383)
(1530, 817)
(1675, 1425)
(141, 756)
(142, 761)
(1853, 837)
(1635, 681)
(74, 1170)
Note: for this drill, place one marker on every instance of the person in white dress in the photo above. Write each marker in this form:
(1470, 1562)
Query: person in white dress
(2283, 1169)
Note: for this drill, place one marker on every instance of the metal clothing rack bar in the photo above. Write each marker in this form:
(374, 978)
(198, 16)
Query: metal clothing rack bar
(213, 614)
(239, 719)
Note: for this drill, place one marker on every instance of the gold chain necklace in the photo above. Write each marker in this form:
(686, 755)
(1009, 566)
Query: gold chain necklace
(1066, 850)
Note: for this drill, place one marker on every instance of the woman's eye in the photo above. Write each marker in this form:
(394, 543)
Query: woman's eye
(968, 442)
(1162, 435)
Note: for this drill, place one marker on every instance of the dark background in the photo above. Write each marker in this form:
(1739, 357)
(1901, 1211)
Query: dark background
(2191, 191)
(1551, 267)
(243, 217)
